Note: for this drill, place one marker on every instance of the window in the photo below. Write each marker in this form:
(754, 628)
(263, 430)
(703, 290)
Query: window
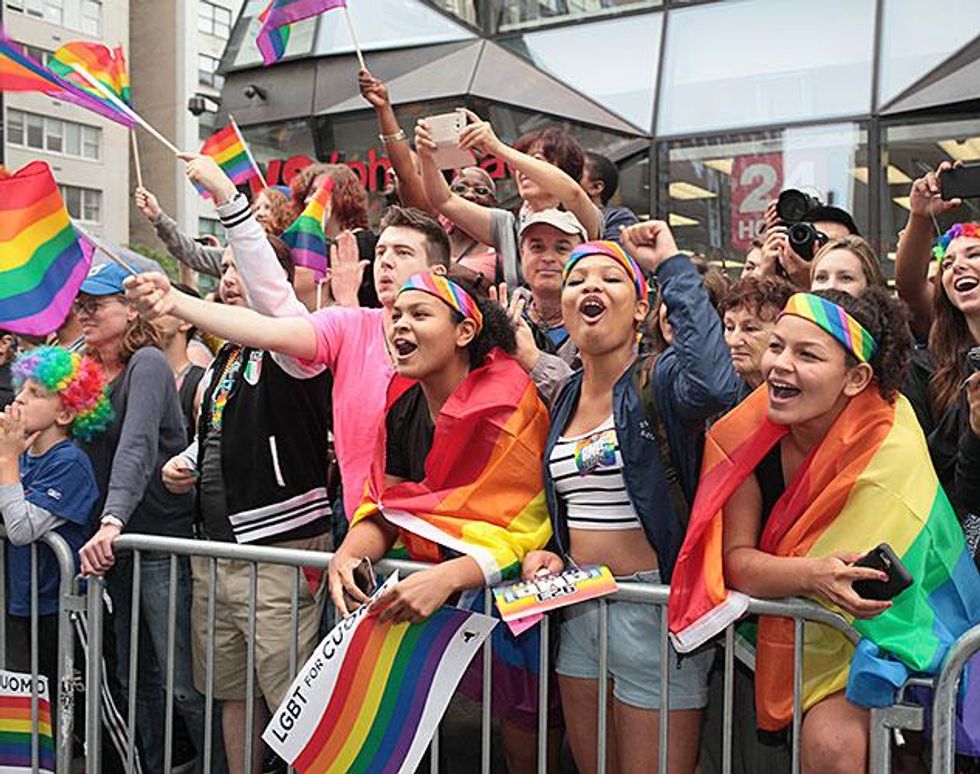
(82, 15)
(213, 20)
(207, 71)
(53, 135)
(83, 204)
(38, 54)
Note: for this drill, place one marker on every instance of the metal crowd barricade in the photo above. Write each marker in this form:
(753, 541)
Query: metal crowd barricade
(945, 697)
(800, 611)
(61, 691)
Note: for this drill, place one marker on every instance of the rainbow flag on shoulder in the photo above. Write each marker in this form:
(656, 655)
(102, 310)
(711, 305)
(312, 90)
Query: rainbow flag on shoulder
(869, 481)
(273, 34)
(371, 696)
(228, 148)
(43, 259)
(305, 236)
(16, 726)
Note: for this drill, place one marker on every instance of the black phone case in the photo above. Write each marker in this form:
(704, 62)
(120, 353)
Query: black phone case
(961, 182)
(882, 558)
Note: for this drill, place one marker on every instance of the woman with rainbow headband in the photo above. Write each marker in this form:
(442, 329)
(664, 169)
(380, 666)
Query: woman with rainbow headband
(613, 451)
(46, 485)
(453, 481)
(814, 469)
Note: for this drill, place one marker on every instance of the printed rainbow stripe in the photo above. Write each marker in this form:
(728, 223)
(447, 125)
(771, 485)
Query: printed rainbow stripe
(271, 39)
(19, 72)
(107, 67)
(869, 481)
(483, 494)
(15, 734)
(836, 321)
(228, 148)
(617, 253)
(43, 260)
(447, 291)
(305, 236)
(539, 595)
(374, 711)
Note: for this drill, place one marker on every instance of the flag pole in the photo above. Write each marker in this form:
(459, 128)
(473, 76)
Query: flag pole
(98, 243)
(136, 158)
(353, 37)
(248, 152)
(120, 105)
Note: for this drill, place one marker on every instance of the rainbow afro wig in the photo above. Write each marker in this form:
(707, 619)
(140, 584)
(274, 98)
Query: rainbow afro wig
(941, 245)
(76, 379)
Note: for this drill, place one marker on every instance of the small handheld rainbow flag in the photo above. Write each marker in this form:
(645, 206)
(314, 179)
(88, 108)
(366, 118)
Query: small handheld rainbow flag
(305, 236)
(372, 694)
(16, 727)
(43, 259)
(228, 148)
(19, 72)
(274, 33)
(104, 65)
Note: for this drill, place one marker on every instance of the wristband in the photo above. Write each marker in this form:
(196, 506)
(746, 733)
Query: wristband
(110, 519)
(396, 137)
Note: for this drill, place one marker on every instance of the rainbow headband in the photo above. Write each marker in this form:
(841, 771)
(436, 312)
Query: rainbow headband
(836, 321)
(610, 250)
(77, 380)
(447, 291)
(941, 245)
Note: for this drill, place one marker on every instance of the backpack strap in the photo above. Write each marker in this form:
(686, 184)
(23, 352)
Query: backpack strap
(642, 381)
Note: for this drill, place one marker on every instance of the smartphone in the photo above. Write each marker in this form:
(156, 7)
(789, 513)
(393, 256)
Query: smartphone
(445, 130)
(364, 577)
(960, 182)
(885, 559)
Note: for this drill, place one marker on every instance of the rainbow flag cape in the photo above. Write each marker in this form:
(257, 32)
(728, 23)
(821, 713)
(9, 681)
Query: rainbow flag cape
(106, 66)
(869, 481)
(372, 694)
(305, 236)
(228, 148)
(43, 259)
(19, 72)
(279, 14)
(15, 724)
(483, 492)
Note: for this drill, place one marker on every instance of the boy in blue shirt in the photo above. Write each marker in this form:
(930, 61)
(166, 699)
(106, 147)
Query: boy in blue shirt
(46, 485)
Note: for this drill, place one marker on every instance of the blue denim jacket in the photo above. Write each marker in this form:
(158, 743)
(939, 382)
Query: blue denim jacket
(693, 380)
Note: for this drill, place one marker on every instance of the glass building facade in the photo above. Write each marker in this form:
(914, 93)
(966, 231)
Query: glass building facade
(708, 107)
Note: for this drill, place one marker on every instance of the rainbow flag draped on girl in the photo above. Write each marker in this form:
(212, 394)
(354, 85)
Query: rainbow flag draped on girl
(483, 493)
(869, 481)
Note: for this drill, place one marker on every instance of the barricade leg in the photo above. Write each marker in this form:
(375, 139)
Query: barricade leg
(93, 678)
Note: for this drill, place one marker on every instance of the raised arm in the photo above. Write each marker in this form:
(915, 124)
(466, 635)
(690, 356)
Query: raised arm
(194, 255)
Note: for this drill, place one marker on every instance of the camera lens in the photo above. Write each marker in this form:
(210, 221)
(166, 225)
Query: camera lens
(802, 238)
(792, 205)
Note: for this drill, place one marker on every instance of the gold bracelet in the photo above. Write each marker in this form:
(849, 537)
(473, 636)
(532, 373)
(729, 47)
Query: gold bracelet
(396, 137)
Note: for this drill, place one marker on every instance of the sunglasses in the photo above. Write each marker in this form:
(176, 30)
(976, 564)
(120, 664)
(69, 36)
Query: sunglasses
(92, 304)
(462, 188)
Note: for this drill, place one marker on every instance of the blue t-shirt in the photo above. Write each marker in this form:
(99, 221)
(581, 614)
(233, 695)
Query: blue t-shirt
(62, 482)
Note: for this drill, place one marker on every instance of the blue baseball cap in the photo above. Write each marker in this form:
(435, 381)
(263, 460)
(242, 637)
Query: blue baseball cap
(104, 280)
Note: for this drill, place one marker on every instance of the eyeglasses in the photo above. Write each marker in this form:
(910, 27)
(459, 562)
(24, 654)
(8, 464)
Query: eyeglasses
(461, 188)
(90, 305)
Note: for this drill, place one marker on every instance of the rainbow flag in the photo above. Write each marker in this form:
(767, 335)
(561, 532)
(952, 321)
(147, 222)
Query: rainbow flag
(276, 18)
(483, 493)
(19, 72)
(305, 236)
(228, 148)
(869, 481)
(43, 259)
(371, 696)
(104, 65)
(16, 726)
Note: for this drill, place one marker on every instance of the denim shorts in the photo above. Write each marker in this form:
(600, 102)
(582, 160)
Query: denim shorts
(633, 654)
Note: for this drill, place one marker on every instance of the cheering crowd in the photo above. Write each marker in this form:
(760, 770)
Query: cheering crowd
(504, 394)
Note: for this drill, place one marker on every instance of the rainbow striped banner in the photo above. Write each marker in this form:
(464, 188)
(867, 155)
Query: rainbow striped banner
(19, 72)
(305, 236)
(106, 66)
(273, 35)
(371, 696)
(549, 592)
(43, 259)
(16, 726)
(228, 148)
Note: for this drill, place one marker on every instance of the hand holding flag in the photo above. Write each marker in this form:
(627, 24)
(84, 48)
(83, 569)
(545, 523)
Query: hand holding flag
(205, 173)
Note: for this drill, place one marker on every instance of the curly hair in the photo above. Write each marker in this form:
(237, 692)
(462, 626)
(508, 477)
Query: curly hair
(949, 338)
(861, 250)
(76, 379)
(886, 320)
(557, 146)
(349, 200)
(764, 296)
(283, 210)
(139, 333)
(497, 331)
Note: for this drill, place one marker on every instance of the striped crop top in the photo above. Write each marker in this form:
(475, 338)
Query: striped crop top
(588, 473)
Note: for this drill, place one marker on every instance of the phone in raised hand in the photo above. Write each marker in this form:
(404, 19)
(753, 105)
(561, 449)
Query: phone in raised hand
(444, 129)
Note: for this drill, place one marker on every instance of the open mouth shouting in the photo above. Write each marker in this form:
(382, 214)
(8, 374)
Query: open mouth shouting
(781, 392)
(404, 348)
(966, 284)
(592, 309)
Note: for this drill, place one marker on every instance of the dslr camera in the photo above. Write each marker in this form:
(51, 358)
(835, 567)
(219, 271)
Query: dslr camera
(792, 206)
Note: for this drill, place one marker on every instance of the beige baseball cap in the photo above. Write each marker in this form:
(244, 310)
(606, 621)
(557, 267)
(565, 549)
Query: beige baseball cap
(559, 219)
